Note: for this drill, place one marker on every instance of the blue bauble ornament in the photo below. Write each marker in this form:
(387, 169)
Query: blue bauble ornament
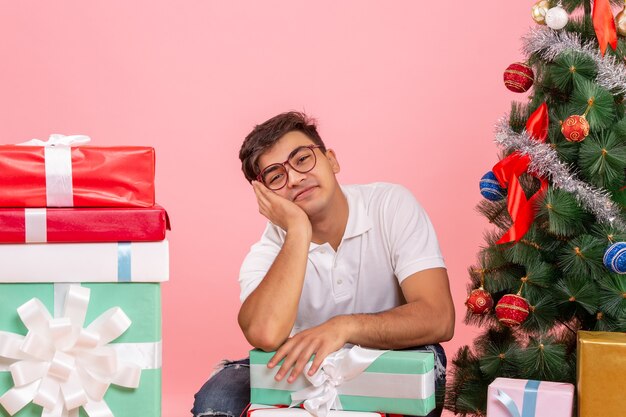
(615, 258)
(490, 187)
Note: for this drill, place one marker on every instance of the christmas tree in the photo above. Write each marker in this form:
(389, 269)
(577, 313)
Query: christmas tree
(552, 264)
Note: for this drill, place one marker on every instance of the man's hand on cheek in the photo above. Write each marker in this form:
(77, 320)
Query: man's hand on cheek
(280, 211)
(319, 341)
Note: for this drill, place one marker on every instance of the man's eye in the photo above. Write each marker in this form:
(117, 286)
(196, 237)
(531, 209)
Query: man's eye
(302, 159)
(275, 178)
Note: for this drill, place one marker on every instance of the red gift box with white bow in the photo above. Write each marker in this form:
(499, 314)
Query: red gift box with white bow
(62, 173)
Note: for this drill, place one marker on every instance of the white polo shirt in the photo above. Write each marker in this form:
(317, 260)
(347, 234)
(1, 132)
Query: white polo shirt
(388, 238)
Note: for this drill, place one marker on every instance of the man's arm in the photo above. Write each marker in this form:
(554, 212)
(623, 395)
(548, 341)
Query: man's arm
(428, 317)
(268, 314)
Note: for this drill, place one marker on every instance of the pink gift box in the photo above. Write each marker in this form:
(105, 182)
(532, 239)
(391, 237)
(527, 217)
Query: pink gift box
(551, 399)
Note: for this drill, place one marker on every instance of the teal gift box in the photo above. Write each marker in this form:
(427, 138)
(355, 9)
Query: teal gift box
(135, 308)
(398, 382)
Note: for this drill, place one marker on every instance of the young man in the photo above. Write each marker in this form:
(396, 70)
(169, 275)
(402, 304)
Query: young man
(355, 264)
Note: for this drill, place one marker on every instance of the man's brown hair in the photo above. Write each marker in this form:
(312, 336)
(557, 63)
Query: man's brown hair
(265, 135)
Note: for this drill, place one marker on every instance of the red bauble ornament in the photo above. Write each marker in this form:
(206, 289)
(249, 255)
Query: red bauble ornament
(518, 77)
(479, 301)
(512, 310)
(575, 128)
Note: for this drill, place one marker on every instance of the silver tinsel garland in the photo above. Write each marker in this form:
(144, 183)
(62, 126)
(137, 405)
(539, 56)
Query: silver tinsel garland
(546, 163)
(548, 44)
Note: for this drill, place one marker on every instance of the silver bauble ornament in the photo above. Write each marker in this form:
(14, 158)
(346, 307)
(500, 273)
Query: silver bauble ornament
(556, 18)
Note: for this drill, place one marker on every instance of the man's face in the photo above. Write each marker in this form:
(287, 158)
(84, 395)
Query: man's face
(311, 191)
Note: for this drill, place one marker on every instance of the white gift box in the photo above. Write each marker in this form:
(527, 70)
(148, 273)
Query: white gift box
(258, 410)
(85, 262)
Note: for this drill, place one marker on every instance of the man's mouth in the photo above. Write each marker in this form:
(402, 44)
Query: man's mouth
(304, 193)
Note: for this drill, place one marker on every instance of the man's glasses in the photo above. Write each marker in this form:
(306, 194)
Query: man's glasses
(301, 160)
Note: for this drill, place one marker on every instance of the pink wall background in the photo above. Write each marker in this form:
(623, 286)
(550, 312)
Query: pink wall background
(404, 91)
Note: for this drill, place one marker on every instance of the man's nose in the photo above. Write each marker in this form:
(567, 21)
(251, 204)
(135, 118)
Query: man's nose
(293, 177)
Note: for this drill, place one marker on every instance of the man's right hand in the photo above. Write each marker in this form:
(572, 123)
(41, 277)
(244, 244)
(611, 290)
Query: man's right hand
(280, 211)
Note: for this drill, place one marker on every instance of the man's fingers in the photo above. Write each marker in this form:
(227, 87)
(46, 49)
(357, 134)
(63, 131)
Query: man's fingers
(262, 189)
(268, 197)
(320, 355)
(262, 201)
(263, 207)
(258, 190)
(289, 361)
(267, 193)
(285, 367)
(279, 355)
(301, 362)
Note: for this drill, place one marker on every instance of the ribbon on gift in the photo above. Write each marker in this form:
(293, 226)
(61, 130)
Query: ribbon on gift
(507, 171)
(58, 166)
(35, 225)
(61, 365)
(604, 25)
(529, 402)
(336, 368)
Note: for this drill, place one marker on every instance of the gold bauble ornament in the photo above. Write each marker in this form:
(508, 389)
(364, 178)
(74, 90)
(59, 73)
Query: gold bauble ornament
(539, 11)
(620, 22)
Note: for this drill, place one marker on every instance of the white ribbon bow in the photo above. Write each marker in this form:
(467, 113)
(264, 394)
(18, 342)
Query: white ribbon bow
(62, 366)
(336, 368)
(58, 140)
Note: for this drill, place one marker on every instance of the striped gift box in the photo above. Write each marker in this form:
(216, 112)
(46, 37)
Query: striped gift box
(399, 382)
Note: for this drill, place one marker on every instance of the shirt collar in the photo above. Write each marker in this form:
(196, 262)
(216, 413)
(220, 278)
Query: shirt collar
(359, 220)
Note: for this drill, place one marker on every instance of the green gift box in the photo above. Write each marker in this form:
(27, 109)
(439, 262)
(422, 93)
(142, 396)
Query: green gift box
(139, 345)
(398, 382)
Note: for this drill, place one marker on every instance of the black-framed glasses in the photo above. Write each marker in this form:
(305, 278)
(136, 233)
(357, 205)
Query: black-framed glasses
(301, 159)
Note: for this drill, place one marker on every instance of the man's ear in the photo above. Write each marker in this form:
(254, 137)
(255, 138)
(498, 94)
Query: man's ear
(332, 158)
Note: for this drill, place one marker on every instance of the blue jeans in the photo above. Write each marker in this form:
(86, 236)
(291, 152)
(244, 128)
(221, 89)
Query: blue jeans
(227, 392)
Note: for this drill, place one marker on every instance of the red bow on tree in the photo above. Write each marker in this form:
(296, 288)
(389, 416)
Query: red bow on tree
(508, 170)
(604, 25)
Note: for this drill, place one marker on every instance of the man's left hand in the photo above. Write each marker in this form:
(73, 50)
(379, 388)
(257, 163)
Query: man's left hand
(320, 341)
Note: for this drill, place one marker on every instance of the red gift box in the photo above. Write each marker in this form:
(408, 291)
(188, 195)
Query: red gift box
(76, 225)
(100, 176)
